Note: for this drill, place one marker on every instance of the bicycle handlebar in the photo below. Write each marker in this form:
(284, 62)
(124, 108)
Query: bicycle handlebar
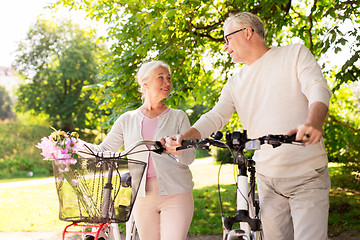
(239, 139)
(158, 148)
(273, 140)
(198, 143)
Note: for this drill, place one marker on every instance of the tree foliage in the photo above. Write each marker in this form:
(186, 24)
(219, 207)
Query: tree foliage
(58, 59)
(342, 131)
(188, 35)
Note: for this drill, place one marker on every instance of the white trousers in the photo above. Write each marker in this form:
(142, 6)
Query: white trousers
(295, 208)
(163, 217)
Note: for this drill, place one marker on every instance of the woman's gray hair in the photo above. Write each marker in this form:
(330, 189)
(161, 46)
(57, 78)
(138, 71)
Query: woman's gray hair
(246, 19)
(145, 71)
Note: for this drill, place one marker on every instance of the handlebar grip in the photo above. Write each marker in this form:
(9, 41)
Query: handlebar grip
(188, 144)
(292, 137)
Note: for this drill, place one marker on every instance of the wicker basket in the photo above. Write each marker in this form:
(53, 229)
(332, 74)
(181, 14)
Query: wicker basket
(97, 190)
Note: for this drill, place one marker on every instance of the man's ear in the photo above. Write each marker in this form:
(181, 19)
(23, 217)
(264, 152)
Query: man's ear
(249, 33)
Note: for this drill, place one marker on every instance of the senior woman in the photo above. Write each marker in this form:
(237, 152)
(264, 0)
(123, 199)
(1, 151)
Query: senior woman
(164, 206)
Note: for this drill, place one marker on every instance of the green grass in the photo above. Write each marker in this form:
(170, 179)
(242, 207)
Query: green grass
(35, 208)
(207, 217)
(344, 213)
(29, 208)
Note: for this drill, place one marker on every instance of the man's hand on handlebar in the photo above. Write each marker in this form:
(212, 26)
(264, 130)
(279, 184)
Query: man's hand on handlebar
(307, 134)
(311, 131)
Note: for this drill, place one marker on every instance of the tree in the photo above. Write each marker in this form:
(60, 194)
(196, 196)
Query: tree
(5, 104)
(188, 35)
(59, 60)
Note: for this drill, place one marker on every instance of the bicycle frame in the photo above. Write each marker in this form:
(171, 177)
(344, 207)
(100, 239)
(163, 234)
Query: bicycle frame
(130, 224)
(248, 207)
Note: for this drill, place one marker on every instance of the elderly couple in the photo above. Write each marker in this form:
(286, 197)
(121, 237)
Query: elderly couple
(279, 90)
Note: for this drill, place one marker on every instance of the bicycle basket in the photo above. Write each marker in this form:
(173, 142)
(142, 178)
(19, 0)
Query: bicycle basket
(93, 189)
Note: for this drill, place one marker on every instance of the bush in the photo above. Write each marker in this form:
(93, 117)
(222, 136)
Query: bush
(223, 155)
(342, 145)
(201, 153)
(19, 154)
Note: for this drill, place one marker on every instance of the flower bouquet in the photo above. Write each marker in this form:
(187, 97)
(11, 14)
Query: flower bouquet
(70, 173)
(61, 145)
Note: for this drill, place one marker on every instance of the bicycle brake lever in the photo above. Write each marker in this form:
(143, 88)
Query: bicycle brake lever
(188, 144)
(292, 140)
(159, 149)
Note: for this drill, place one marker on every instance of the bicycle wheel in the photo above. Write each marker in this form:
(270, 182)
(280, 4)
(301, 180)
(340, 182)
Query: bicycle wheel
(91, 237)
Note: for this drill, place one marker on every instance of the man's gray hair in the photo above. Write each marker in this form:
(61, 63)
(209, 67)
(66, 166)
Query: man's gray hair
(246, 19)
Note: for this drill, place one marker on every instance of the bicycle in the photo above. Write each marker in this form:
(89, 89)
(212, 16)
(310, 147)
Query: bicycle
(97, 193)
(248, 206)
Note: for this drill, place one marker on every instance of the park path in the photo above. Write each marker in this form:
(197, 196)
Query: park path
(57, 236)
(27, 183)
(352, 235)
(51, 180)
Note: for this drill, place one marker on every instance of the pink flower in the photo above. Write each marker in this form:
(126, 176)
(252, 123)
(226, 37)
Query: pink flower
(61, 153)
(60, 179)
(74, 182)
(48, 148)
(70, 161)
(70, 144)
(63, 168)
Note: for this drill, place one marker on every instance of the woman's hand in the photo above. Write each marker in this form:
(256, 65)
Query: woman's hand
(171, 143)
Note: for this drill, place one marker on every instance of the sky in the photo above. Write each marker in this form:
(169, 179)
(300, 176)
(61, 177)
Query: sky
(16, 17)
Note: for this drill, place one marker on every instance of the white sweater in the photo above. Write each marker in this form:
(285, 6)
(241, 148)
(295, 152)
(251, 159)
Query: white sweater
(173, 177)
(272, 96)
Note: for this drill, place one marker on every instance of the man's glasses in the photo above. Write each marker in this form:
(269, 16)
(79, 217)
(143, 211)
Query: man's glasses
(226, 36)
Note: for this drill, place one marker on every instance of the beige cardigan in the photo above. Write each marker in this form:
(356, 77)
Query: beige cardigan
(172, 176)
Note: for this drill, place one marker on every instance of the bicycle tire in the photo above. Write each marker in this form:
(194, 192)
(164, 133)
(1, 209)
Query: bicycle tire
(91, 237)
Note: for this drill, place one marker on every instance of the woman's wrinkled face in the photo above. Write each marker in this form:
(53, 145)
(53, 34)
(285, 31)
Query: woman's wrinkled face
(159, 84)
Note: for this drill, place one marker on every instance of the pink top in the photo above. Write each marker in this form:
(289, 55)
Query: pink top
(148, 130)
